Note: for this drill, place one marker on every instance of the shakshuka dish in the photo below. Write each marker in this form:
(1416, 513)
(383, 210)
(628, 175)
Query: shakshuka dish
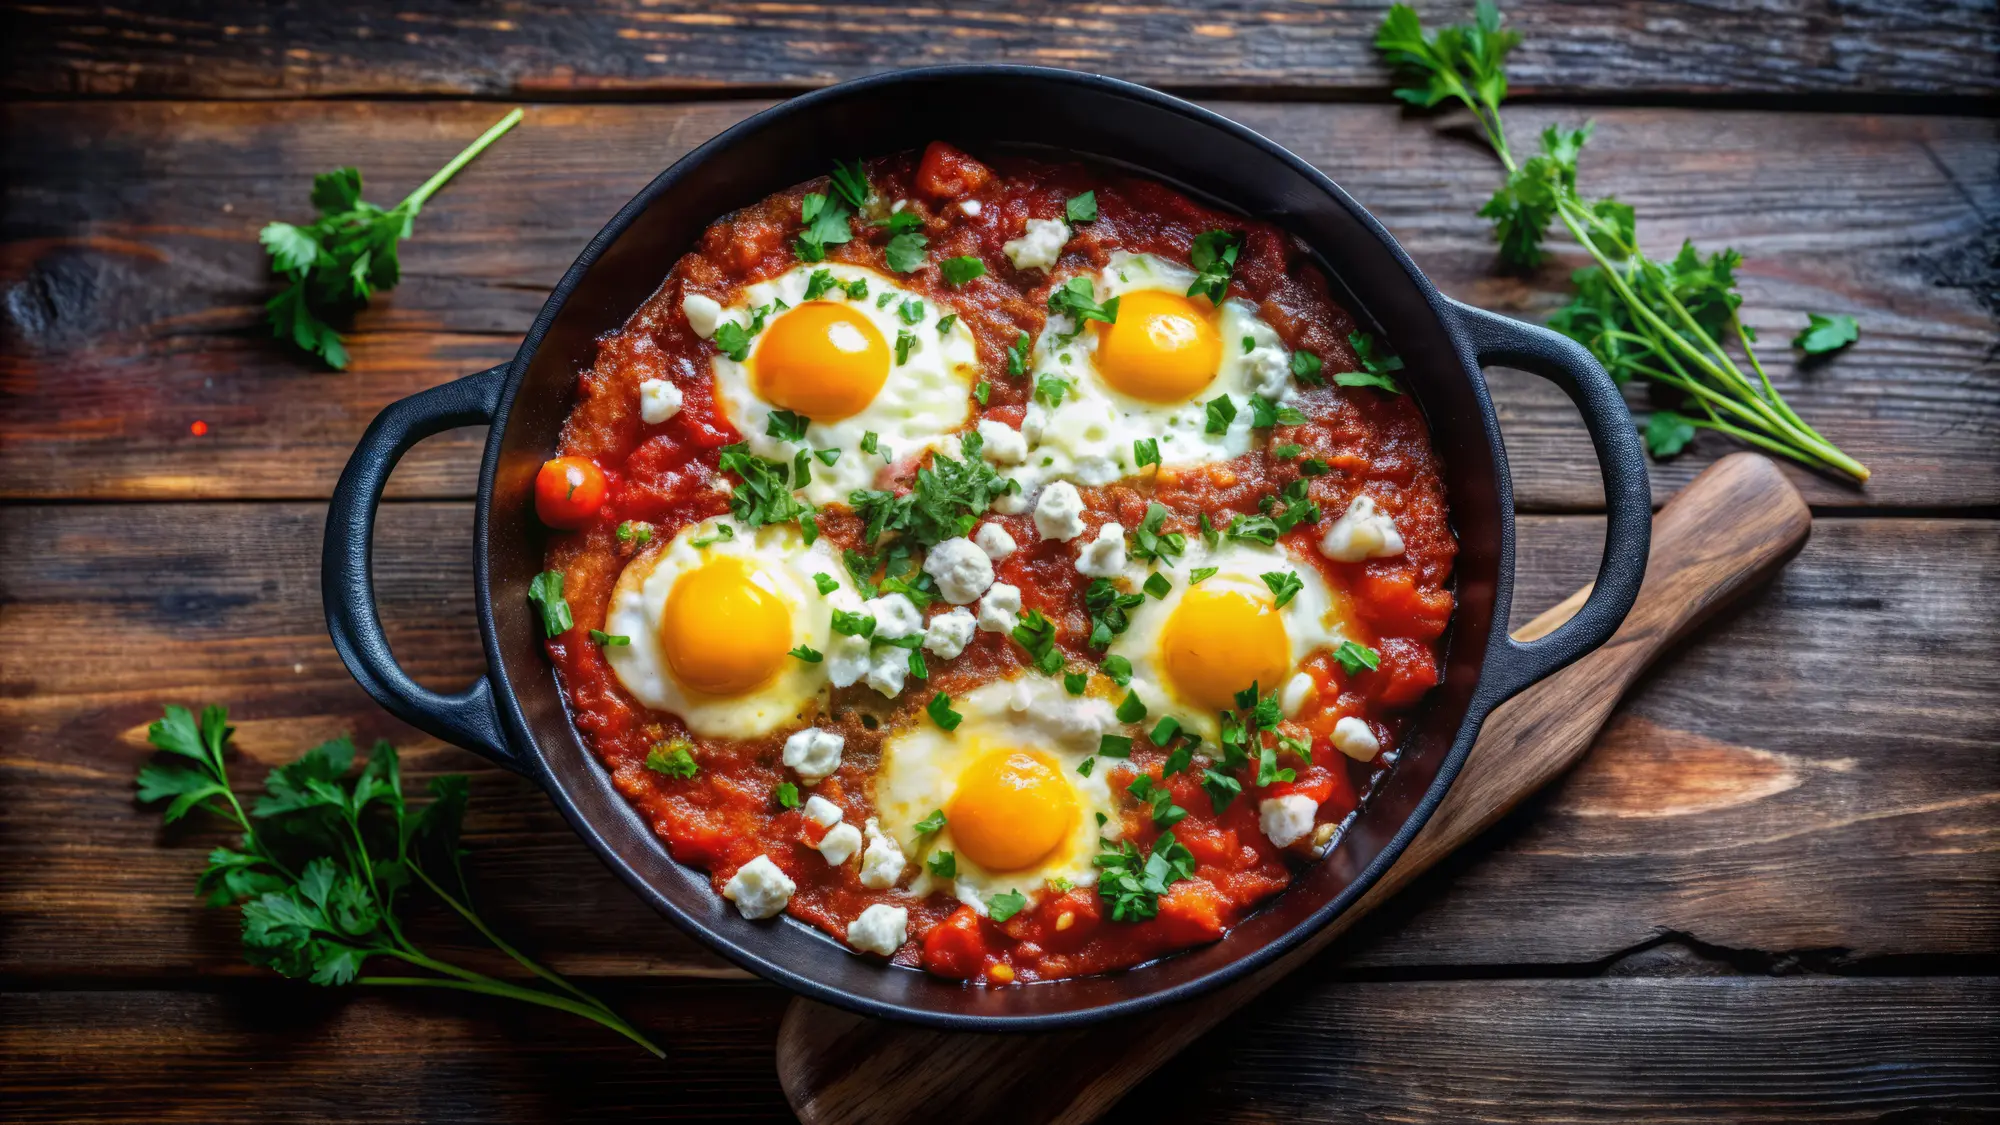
(1015, 569)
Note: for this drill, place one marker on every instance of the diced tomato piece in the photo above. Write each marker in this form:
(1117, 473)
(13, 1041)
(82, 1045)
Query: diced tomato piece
(1192, 912)
(1083, 909)
(1212, 844)
(956, 947)
(946, 173)
(568, 492)
(1392, 600)
(1409, 669)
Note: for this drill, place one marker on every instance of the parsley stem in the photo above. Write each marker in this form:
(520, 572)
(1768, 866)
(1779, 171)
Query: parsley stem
(416, 198)
(490, 987)
(520, 958)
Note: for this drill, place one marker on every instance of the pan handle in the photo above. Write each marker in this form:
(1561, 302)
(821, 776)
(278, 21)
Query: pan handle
(1512, 665)
(468, 718)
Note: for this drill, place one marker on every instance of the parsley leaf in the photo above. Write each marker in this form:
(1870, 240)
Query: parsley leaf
(1131, 883)
(932, 823)
(1355, 657)
(1118, 669)
(939, 709)
(1109, 613)
(906, 252)
(1078, 298)
(1306, 368)
(635, 532)
(1213, 255)
(1017, 356)
(981, 392)
(1114, 746)
(1081, 208)
(1075, 682)
(1823, 334)
(764, 493)
(1049, 390)
(1150, 543)
(957, 271)
(786, 426)
(546, 591)
(786, 794)
(1667, 433)
(1145, 451)
(1159, 798)
(1200, 573)
(1157, 585)
(826, 224)
(1284, 583)
(1375, 366)
(1221, 788)
(1004, 906)
(615, 640)
(1131, 709)
(946, 501)
(1221, 412)
(944, 865)
(808, 654)
(674, 758)
(852, 183)
(1254, 529)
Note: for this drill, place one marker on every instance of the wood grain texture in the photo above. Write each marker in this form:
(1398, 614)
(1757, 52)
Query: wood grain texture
(243, 49)
(1734, 526)
(1883, 847)
(131, 282)
(1597, 1050)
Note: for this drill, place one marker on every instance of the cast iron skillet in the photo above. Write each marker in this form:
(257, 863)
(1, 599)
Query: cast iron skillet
(515, 714)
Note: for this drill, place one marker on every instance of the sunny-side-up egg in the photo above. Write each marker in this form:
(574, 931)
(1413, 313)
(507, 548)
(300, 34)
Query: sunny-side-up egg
(712, 618)
(1018, 814)
(1151, 373)
(854, 354)
(1194, 649)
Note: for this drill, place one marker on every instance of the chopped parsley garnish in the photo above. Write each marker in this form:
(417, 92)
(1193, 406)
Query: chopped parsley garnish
(882, 302)
(1221, 412)
(1049, 390)
(982, 391)
(1268, 772)
(1078, 298)
(827, 456)
(1208, 533)
(941, 713)
(906, 341)
(802, 469)
(1221, 788)
(1255, 529)
(546, 591)
(826, 224)
(1114, 746)
(1265, 413)
(931, 823)
(1213, 256)
(808, 654)
(1375, 365)
(1249, 345)
(1158, 585)
(1178, 759)
(869, 441)
(722, 534)
(911, 311)
(826, 583)
(1314, 467)
(1075, 682)
(1354, 658)
(944, 865)
(764, 494)
(905, 253)
(899, 222)
(1017, 356)
(1200, 573)
(1037, 634)
(851, 182)
(635, 532)
(1081, 208)
(957, 271)
(1305, 367)
(1131, 709)
(616, 640)
(1284, 583)
(1145, 451)
(1298, 508)
(853, 624)
(918, 669)
(1166, 814)
(1131, 884)
(945, 502)
(1297, 746)
(1109, 611)
(1118, 668)
(673, 759)
(787, 795)
(1287, 451)
(1826, 333)
(946, 323)
(820, 284)
(1005, 906)
(1165, 731)
(1084, 767)
(1150, 544)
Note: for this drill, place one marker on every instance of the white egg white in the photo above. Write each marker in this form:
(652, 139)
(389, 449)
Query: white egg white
(925, 400)
(785, 566)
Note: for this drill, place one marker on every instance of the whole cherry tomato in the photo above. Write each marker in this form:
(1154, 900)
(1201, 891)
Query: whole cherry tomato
(568, 492)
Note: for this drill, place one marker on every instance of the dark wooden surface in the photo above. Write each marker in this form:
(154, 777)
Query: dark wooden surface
(1771, 892)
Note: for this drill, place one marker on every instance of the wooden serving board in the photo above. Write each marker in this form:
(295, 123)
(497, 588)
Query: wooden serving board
(1734, 525)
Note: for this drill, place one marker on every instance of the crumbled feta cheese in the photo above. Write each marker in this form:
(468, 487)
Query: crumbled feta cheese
(1011, 504)
(1267, 371)
(949, 633)
(880, 929)
(970, 207)
(1286, 819)
(821, 811)
(1040, 246)
(1354, 738)
(847, 660)
(840, 843)
(760, 889)
(1360, 533)
(889, 670)
(962, 570)
(1004, 445)
(703, 314)
(882, 864)
(1059, 513)
(813, 754)
(1104, 557)
(1000, 609)
(1078, 724)
(895, 617)
(994, 540)
(1298, 692)
(659, 400)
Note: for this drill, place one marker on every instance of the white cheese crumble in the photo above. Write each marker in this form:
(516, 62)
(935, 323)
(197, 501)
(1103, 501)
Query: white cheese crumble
(895, 616)
(962, 570)
(1000, 609)
(1003, 444)
(1104, 557)
(949, 633)
(1354, 738)
(889, 670)
(882, 864)
(879, 929)
(760, 889)
(703, 314)
(1267, 371)
(1040, 246)
(813, 754)
(840, 843)
(1360, 533)
(1286, 819)
(659, 400)
(1059, 513)
(970, 207)
(1298, 692)
(995, 541)
(821, 811)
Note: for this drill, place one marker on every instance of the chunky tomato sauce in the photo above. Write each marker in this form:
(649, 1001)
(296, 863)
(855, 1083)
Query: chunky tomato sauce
(666, 475)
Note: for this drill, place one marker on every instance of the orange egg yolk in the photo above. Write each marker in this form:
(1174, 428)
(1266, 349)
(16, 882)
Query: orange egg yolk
(1220, 641)
(1163, 347)
(1012, 808)
(822, 359)
(724, 630)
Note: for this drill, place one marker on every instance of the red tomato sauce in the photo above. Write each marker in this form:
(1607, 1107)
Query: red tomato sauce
(666, 476)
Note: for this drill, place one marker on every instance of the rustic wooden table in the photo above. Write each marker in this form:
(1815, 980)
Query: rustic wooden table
(1771, 892)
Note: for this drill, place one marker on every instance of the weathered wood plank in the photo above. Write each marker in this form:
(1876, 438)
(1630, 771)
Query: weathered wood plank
(1674, 1050)
(132, 277)
(237, 48)
(1818, 772)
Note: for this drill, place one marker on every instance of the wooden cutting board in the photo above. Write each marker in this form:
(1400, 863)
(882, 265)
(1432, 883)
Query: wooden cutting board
(1730, 528)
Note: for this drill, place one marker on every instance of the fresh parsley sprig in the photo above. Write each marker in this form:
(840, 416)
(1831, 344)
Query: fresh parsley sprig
(325, 857)
(1666, 322)
(332, 266)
